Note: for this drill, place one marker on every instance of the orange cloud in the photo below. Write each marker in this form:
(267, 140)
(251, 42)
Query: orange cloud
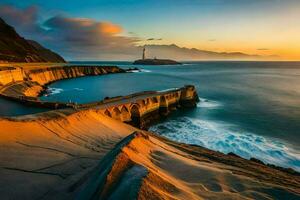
(110, 28)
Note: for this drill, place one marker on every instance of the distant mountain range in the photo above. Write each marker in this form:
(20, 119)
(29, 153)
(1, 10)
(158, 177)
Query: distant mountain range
(14, 48)
(181, 53)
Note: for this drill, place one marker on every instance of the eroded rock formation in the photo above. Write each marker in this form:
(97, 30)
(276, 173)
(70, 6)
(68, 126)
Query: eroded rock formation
(52, 154)
(21, 83)
(146, 166)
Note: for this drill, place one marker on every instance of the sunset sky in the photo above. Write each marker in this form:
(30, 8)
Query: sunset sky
(83, 28)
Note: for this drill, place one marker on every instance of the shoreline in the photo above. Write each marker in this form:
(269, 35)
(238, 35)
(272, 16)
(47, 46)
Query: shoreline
(58, 131)
(24, 84)
(85, 151)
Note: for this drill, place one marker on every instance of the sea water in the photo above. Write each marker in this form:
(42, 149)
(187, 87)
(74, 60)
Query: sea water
(249, 108)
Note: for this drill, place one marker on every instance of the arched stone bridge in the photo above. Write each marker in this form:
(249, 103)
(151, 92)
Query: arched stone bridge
(142, 108)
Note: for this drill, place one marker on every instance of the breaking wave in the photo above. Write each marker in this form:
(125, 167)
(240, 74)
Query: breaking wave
(53, 91)
(145, 70)
(222, 137)
(78, 89)
(205, 103)
(140, 70)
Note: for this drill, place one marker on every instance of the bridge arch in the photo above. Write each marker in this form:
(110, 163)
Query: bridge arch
(125, 115)
(154, 100)
(143, 102)
(135, 110)
(163, 106)
(135, 114)
(124, 109)
(116, 113)
(163, 101)
(148, 101)
(107, 113)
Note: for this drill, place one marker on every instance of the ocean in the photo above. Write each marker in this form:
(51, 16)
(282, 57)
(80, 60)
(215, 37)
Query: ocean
(249, 108)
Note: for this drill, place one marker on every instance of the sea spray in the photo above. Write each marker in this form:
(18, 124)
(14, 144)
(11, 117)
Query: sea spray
(205, 103)
(227, 138)
(53, 91)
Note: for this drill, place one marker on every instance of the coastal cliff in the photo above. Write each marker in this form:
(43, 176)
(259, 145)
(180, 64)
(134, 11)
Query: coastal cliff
(18, 82)
(14, 48)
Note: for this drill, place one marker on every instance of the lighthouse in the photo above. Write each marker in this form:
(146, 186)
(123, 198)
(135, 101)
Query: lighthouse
(144, 53)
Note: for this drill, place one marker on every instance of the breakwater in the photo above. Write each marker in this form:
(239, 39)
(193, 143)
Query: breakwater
(142, 109)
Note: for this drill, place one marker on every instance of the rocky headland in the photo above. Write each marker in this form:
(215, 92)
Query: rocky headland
(25, 83)
(155, 62)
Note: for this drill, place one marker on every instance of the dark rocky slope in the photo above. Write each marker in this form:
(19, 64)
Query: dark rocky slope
(14, 48)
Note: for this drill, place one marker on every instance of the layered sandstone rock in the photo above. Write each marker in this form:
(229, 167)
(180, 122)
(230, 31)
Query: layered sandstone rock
(68, 154)
(146, 166)
(52, 154)
(18, 82)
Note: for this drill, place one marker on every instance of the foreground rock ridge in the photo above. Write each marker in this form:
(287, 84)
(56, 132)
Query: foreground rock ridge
(87, 152)
(87, 155)
(147, 166)
(14, 48)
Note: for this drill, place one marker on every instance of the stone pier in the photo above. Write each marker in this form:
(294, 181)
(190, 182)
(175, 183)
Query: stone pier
(143, 109)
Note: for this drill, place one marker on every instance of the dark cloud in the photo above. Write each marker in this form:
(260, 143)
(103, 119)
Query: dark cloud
(23, 18)
(25, 21)
(75, 38)
(88, 37)
(212, 40)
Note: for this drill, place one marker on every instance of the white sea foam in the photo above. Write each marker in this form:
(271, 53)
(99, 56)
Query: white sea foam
(53, 91)
(167, 90)
(79, 89)
(140, 70)
(205, 103)
(145, 70)
(135, 71)
(226, 138)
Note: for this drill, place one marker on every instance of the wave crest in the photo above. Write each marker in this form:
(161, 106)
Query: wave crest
(53, 91)
(222, 137)
(205, 103)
